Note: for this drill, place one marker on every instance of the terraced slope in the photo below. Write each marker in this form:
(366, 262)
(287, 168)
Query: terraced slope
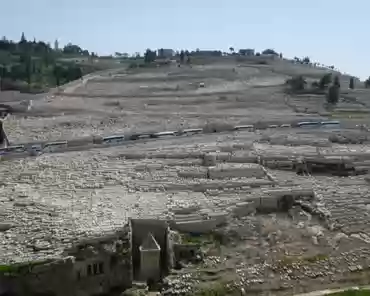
(52, 200)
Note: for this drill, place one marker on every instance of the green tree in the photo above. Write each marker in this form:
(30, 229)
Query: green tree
(367, 82)
(29, 68)
(2, 75)
(149, 56)
(57, 72)
(182, 56)
(336, 81)
(333, 94)
(23, 38)
(72, 49)
(270, 51)
(325, 81)
(306, 60)
(296, 83)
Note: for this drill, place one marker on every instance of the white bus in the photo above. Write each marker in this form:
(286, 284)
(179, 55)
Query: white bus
(17, 149)
(55, 146)
(113, 140)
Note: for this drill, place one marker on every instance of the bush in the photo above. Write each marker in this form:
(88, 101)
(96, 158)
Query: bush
(132, 65)
(296, 83)
(315, 84)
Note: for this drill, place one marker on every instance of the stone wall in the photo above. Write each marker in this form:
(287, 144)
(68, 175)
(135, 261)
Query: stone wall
(49, 278)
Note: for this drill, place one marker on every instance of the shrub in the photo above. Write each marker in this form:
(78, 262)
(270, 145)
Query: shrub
(315, 84)
(132, 65)
(296, 83)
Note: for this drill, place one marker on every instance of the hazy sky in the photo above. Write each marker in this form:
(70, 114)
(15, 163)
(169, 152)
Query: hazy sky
(331, 32)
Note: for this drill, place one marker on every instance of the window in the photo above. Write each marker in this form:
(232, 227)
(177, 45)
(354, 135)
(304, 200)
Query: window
(93, 269)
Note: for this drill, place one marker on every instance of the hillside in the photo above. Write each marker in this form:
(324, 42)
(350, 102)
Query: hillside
(238, 156)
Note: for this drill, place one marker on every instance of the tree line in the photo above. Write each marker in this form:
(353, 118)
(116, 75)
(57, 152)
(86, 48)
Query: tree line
(34, 66)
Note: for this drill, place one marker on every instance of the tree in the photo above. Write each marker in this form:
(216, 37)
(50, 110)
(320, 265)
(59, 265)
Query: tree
(29, 68)
(336, 81)
(72, 49)
(23, 38)
(270, 51)
(296, 83)
(57, 72)
(306, 60)
(182, 56)
(325, 81)
(149, 56)
(367, 82)
(333, 94)
(2, 76)
(232, 50)
(352, 83)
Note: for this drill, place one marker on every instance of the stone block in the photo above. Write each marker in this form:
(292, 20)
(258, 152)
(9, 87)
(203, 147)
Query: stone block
(269, 203)
(243, 157)
(243, 146)
(197, 226)
(193, 173)
(244, 209)
(236, 171)
(220, 217)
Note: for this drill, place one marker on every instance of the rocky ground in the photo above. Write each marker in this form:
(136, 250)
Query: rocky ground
(49, 201)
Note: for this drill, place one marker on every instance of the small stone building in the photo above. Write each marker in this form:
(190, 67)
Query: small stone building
(149, 234)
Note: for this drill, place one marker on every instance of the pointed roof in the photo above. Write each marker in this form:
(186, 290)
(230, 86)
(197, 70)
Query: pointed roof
(149, 243)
